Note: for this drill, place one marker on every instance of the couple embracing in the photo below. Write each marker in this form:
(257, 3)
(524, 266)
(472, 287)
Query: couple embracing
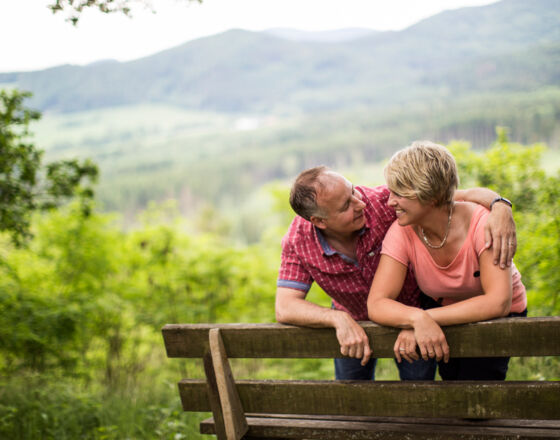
(416, 254)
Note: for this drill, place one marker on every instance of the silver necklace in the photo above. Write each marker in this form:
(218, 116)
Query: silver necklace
(430, 245)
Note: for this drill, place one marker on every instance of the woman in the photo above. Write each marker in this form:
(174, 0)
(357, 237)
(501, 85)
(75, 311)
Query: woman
(443, 241)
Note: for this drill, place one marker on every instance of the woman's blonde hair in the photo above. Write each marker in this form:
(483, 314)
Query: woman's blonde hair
(426, 171)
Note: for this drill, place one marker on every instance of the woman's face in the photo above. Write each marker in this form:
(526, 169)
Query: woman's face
(409, 211)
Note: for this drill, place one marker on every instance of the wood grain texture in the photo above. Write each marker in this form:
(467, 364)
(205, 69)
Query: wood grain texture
(456, 399)
(394, 429)
(231, 408)
(500, 337)
(211, 397)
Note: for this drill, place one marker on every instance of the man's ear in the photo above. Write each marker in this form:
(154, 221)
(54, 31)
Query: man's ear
(319, 222)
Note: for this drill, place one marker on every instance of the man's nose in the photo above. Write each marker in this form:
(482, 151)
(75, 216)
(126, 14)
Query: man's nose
(360, 204)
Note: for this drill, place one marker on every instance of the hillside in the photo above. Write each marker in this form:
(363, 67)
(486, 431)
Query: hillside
(211, 121)
(242, 71)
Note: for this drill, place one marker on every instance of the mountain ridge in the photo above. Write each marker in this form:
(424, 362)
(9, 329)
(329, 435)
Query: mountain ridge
(242, 71)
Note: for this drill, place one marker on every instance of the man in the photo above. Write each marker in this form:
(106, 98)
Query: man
(336, 241)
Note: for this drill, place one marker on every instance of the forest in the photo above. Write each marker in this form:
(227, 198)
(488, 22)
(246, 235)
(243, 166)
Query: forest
(83, 302)
(121, 211)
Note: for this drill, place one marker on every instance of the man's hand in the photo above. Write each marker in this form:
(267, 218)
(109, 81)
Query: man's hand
(499, 234)
(405, 346)
(352, 338)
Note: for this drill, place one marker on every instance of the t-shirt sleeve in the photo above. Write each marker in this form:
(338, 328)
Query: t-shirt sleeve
(292, 273)
(396, 244)
(478, 234)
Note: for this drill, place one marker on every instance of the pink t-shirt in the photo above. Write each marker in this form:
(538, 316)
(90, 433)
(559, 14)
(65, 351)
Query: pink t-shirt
(461, 278)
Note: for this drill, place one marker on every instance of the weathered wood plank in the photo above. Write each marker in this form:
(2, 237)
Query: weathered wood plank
(500, 337)
(524, 423)
(457, 399)
(232, 411)
(193, 394)
(212, 398)
(268, 427)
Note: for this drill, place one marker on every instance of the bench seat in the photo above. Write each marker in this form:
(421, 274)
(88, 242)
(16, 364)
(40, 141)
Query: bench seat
(282, 426)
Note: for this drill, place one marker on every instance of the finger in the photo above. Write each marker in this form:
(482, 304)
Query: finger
(344, 350)
(438, 352)
(496, 248)
(445, 352)
(403, 350)
(397, 349)
(411, 351)
(407, 357)
(424, 352)
(367, 354)
(504, 253)
(398, 352)
(359, 352)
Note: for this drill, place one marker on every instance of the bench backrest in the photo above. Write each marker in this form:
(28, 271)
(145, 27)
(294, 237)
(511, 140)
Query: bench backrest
(501, 337)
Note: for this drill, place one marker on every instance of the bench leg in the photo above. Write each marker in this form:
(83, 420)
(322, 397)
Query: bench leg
(229, 416)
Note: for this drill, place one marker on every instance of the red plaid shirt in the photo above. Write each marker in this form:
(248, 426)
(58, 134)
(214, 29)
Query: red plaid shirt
(307, 257)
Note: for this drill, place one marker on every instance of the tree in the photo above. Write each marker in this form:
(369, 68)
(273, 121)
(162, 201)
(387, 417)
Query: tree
(74, 8)
(515, 170)
(25, 184)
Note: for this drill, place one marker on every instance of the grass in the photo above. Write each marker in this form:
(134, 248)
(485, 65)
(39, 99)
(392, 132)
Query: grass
(53, 407)
(47, 407)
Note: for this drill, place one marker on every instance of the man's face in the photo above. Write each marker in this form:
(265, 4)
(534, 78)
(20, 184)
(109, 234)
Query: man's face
(341, 205)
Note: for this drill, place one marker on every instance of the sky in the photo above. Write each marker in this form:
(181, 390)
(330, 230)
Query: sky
(33, 38)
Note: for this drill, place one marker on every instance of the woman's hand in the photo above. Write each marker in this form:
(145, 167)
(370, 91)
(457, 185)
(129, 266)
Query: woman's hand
(430, 338)
(405, 346)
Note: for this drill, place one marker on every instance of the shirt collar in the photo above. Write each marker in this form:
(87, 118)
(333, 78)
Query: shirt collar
(327, 250)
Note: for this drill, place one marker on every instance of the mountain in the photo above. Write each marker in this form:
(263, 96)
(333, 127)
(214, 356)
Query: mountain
(212, 120)
(242, 71)
(334, 36)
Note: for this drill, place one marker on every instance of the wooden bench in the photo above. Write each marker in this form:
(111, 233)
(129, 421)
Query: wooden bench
(252, 409)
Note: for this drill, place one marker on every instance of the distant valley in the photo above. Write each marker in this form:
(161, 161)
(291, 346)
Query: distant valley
(212, 120)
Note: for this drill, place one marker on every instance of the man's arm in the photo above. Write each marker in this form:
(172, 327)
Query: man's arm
(499, 231)
(293, 308)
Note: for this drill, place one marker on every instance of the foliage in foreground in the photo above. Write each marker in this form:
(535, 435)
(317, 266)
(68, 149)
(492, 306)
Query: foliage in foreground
(26, 185)
(82, 305)
(513, 170)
